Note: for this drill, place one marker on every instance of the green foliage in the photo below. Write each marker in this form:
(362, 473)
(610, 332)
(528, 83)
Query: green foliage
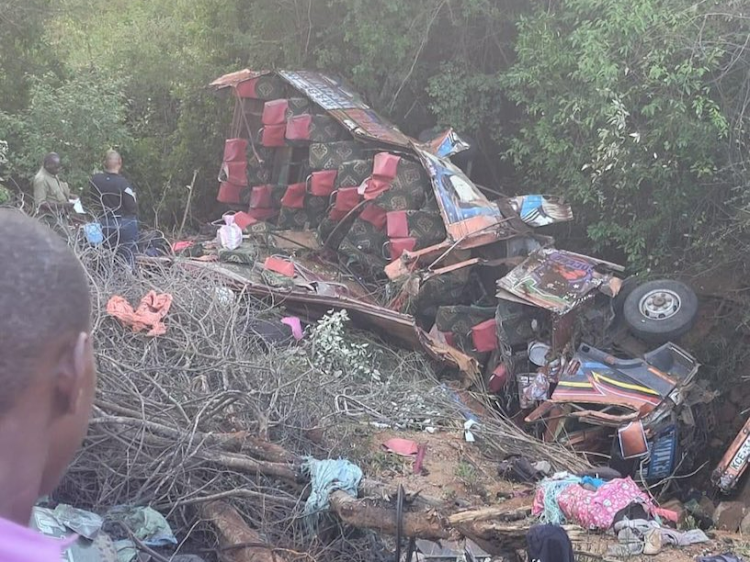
(80, 119)
(622, 115)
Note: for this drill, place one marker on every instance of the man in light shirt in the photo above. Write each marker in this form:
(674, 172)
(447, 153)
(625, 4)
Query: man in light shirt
(52, 198)
(47, 376)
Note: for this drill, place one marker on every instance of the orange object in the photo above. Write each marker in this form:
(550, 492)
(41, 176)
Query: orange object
(277, 265)
(149, 314)
(403, 447)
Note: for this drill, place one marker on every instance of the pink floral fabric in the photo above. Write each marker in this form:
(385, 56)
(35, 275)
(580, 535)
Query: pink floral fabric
(597, 510)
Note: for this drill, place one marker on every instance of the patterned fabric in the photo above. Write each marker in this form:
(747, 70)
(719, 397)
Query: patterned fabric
(317, 208)
(353, 173)
(332, 233)
(268, 87)
(597, 510)
(401, 199)
(262, 156)
(292, 219)
(242, 255)
(324, 128)
(329, 156)
(459, 320)
(259, 175)
(410, 175)
(364, 245)
(444, 290)
(277, 194)
(427, 228)
(297, 106)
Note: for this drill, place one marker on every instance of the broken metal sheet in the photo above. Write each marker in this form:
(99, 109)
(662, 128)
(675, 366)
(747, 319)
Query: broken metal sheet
(368, 124)
(541, 210)
(346, 107)
(734, 462)
(595, 377)
(324, 90)
(447, 144)
(307, 300)
(471, 219)
(553, 279)
(232, 79)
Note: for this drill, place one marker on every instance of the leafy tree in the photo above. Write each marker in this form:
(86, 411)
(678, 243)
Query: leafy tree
(80, 119)
(622, 115)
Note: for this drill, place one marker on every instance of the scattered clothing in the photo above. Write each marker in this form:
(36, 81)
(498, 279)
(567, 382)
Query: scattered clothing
(403, 447)
(727, 557)
(149, 314)
(84, 523)
(546, 505)
(677, 538)
(326, 477)
(639, 536)
(295, 324)
(548, 543)
(563, 500)
(146, 524)
(520, 469)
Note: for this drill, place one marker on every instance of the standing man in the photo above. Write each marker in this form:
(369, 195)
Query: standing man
(47, 374)
(118, 200)
(51, 195)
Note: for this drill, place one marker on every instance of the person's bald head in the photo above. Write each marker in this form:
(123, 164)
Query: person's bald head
(52, 163)
(47, 371)
(113, 162)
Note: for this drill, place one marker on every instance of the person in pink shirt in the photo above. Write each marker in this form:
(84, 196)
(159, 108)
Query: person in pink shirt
(47, 377)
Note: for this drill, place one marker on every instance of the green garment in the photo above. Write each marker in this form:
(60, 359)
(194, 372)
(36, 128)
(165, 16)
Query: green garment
(49, 189)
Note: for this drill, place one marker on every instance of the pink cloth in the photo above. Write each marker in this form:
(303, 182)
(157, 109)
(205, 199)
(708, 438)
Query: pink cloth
(21, 544)
(296, 325)
(597, 510)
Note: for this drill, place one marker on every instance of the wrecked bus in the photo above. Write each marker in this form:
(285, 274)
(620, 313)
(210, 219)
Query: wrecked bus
(415, 249)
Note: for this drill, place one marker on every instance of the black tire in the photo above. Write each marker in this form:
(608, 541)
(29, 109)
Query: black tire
(674, 321)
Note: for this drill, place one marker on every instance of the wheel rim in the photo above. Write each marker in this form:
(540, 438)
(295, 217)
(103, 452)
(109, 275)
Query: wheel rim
(660, 304)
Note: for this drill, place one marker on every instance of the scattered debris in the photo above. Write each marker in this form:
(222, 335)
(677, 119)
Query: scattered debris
(149, 314)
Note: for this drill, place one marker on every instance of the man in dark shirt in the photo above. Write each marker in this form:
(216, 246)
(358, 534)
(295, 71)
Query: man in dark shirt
(118, 200)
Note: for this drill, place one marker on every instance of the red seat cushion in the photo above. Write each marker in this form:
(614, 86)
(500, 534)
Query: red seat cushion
(229, 193)
(235, 150)
(272, 136)
(484, 336)
(294, 198)
(263, 214)
(374, 215)
(385, 165)
(280, 266)
(298, 128)
(243, 220)
(261, 197)
(274, 112)
(347, 199)
(322, 183)
(400, 245)
(376, 186)
(234, 172)
(398, 225)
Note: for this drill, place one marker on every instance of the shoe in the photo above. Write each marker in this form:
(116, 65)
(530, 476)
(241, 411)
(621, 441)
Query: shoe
(652, 542)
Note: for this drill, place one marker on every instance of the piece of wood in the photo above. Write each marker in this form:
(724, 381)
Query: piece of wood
(368, 514)
(238, 542)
